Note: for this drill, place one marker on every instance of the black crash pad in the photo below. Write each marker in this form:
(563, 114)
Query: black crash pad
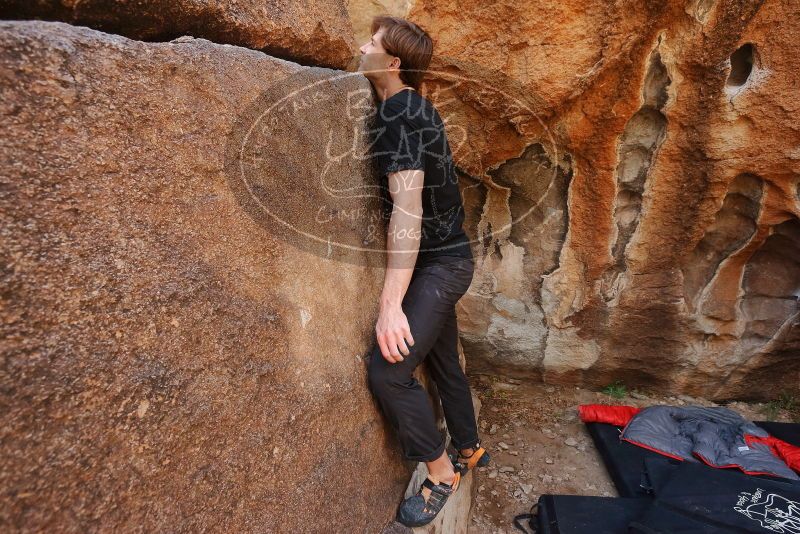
(685, 498)
(576, 514)
(693, 498)
(624, 461)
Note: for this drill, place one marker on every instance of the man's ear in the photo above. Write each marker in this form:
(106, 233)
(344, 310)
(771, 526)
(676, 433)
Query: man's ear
(395, 64)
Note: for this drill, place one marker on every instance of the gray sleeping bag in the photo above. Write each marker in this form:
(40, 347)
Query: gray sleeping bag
(714, 435)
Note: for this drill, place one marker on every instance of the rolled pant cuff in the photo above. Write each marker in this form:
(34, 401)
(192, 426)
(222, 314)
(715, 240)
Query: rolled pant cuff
(430, 457)
(472, 444)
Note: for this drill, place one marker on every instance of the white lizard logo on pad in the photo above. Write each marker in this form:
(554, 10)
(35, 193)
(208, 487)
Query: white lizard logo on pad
(772, 511)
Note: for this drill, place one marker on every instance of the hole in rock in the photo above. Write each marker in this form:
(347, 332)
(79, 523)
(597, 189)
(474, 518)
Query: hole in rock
(741, 65)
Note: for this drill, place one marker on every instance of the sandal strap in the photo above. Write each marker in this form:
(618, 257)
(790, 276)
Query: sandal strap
(436, 488)
(475, 457)
(471, 460)
(439, 492)
(475, 449)
(442, 488)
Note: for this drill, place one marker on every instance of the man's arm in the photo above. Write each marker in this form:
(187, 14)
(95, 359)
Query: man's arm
(402, 244)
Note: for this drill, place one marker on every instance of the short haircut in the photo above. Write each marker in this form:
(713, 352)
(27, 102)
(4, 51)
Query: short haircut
(409, 42)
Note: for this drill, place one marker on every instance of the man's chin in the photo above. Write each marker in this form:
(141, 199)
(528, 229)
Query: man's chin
(365, 71)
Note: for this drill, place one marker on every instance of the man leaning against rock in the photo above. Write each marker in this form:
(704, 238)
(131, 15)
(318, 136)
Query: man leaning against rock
(429, 267)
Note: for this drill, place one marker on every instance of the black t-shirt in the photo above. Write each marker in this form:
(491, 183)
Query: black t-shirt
(410, 134)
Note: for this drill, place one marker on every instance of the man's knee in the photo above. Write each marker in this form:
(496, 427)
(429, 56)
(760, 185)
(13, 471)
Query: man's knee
(382, 378)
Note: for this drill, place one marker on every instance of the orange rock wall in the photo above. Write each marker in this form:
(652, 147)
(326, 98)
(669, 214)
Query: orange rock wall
(631, 175)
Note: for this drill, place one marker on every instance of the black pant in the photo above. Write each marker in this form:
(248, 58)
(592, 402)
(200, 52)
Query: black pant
(429, 305)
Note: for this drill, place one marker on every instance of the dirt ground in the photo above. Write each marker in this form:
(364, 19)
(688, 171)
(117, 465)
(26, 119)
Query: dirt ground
(539, 445)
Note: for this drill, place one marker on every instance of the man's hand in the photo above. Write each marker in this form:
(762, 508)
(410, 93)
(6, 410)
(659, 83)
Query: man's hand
(394, 333)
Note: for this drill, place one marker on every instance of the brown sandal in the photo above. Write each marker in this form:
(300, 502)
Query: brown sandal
(479, 458)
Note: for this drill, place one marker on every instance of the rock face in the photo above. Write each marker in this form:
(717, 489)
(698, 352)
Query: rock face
(361, 14)
(169, 363)
(313, 33)
(632, 184)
